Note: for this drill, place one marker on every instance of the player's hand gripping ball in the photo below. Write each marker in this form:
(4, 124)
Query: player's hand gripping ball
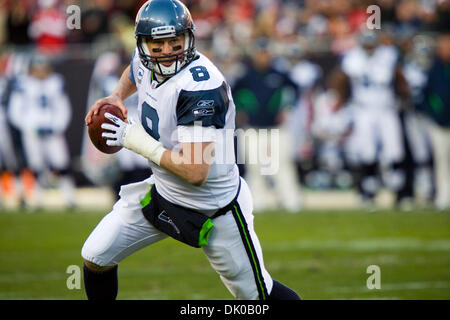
(95, 131)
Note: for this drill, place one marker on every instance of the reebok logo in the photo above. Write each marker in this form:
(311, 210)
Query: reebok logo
(204, 108)
(205, 103)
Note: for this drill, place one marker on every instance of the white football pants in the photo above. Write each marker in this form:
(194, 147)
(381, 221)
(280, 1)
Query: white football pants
(44, 151)
(233, 250)
(377, 130)
(268, 153)
(440, 140)
(7, 153)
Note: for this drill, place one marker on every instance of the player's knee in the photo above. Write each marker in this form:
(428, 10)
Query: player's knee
(88, 259)
(95, 267)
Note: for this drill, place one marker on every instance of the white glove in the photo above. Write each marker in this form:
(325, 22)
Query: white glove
(117, 130)
(132, 136)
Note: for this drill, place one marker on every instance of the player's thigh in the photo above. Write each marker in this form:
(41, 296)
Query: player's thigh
(33, 149)
(7, 152)
(57, 152)
(235, 253)
(417, 137)
(119, 234)
(364, 135)
(389, 129)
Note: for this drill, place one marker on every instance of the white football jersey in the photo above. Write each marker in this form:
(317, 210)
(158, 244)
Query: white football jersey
(371, 76)
(200, 95)
(39, 104)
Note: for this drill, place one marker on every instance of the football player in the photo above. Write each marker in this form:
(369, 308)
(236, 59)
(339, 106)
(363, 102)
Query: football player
(8, 162)
(40, 109)
(376, 139)
(185, 111)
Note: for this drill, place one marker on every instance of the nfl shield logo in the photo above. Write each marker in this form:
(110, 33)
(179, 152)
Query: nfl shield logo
(154, 84)
(140, 74)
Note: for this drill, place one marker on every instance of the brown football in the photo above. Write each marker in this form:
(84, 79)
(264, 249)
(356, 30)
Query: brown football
(95, 131)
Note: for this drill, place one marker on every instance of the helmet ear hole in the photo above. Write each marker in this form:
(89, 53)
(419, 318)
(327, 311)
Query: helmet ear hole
(187, 40)
(143, 44)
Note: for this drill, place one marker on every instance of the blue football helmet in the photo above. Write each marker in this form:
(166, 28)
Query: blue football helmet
(158, 19)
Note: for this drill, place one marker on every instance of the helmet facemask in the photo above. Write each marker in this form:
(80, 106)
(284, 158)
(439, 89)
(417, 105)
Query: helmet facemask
(179, 60)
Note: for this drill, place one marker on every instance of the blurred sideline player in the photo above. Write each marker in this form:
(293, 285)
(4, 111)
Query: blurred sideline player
(16, 181)
(331, 126)
(263, 96)
(307, 76)
(40, 109)
(8, 161)
(436, 106)
(376, 138)
(124, 166)
(418, 55)
(185, 108)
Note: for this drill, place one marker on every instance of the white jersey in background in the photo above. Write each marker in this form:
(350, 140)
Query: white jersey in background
(376, 137)
(371, 76)
(39, 104)
(168, 111)
(41, 110)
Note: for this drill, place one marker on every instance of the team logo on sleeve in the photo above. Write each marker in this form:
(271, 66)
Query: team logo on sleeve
(140, 74)
(204, 108)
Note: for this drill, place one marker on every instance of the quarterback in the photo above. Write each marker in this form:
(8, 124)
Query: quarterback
(190, 196)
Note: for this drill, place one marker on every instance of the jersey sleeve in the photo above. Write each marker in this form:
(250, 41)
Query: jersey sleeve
(208, 107)
(133, 67)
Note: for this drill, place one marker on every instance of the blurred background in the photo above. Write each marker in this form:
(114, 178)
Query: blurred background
(363, 112)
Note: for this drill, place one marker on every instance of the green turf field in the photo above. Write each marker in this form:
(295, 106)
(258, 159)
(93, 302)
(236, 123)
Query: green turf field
(322, 255)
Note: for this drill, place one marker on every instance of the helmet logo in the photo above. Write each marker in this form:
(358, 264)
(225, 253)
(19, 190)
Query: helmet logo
(163, 32)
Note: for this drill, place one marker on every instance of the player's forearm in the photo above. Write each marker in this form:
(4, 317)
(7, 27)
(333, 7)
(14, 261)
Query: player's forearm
(125, 87)
(182, 166)
(191, 165)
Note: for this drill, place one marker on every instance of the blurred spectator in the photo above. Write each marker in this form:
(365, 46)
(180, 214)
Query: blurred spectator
(3, 22)
(437, 107)
(262, 96)
(48, 27)
(442, 21)
(18, 22)
(407, 13)
(94, 20)
(207, 15)
(41, 110)
(129, 8)
(122, 28)
(387, 11)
